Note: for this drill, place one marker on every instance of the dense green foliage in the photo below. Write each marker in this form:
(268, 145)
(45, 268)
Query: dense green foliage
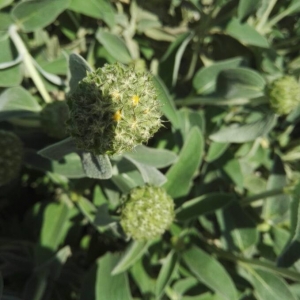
(83, 215)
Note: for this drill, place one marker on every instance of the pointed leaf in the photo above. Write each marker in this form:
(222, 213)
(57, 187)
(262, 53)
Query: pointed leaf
(269, 286)
(166, 272)
(114, 45)
(158, 158)
(202, 205)
(59, 150)
(168, 106)
(98, 167)
(133, 253)
(245, 133)
(180, 175)
(210, 272)
(78, 69)
(205, 79)
(36, 14)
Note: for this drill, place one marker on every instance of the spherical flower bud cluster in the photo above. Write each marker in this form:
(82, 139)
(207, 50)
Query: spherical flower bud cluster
(284, 94)
(113, 109)
(147, 212)
(11, 155)
(53, 119)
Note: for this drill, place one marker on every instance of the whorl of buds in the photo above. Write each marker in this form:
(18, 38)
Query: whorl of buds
(53, 119)
(113, 109)
(147, 212)
(284, 94)
(11, 156)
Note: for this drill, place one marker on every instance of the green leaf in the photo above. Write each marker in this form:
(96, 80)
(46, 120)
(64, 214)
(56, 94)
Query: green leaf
(59, 150)
(291, 253)
(114, 45)
(55, 217)
(166, 272)
(238, 229)
(150, 174)
(18, 99)
(276, 207)
(109, 286)
(181, 174)
(98, 167)
(133, 253)
(202, 205)
(245, 133)
(168, 106)
(4, 3)
(240, 83)
(78, 69)
(170, 62)
(205, 79)
(247, 7)
(41, 282)
(98, 9)
(158, 158)
(246, 34)
(100, 284)
(269, 286)
(215, 150)
(210, 272)
(70, 166)
(36, 14)
(10, 71)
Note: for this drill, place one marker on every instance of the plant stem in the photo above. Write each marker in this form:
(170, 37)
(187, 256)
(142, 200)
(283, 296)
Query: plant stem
(248, 200)
(28, 62)
(265, 16)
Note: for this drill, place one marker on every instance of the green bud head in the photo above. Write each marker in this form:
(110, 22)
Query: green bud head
(11, 156)
(284, 94)
(147, 212)
(53, 119)
(113, 109)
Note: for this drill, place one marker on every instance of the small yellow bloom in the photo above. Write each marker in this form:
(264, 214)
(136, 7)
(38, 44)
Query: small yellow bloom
(135, 99)
(117, 116)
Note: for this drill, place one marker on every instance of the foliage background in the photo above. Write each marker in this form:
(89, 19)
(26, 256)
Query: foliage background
(230, 163)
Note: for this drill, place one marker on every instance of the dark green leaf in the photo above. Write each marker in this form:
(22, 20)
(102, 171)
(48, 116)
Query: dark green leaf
(181, 174)
(58, 150)
(98, 167)
(166, 272)
(246, 34)
(240, 83)
(276, 207)
(215, 150)
(150, 174)
(10, 71)
(210, 272)
(158, 158)
(245, 133)
(269, 286)
(247, 7)
(168, 106)
(114, 45)
(78, 69)
(17, 98)
(1, 285)
(98, 9)
(291, 252)
(202, 205)
(239, 230)
(133, 253)
(70, 166)
(205, 79)
(35, 14)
